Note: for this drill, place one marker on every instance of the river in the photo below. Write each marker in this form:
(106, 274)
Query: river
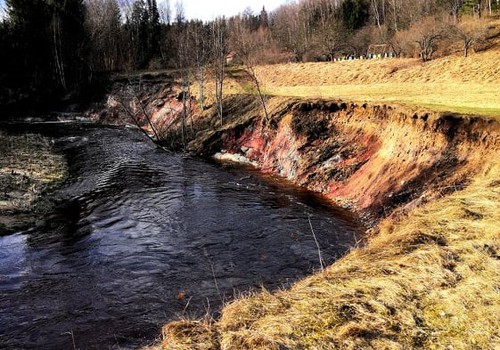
(142, 237)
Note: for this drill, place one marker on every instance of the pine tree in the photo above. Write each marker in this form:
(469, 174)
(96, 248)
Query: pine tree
(144, 30)
(47, 56)
(264, 18)
(154, 30)
(30, 46)
(138, 32)
(354, 14)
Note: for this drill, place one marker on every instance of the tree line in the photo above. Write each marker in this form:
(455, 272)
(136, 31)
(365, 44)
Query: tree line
(53, 49)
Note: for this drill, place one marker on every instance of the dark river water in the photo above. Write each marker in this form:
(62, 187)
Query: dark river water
(142, 237)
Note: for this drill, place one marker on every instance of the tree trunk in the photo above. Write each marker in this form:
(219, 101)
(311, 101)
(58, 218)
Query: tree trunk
(253, 76)
(219, 60)
(183, 121)
(201, 90)
(377, 15)
(57, 51)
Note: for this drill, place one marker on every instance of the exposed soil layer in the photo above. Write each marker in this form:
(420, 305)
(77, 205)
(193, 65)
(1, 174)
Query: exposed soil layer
(376, 159)
(153, 101)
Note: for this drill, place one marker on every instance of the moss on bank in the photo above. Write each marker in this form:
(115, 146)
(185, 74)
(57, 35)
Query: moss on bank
(29, 171)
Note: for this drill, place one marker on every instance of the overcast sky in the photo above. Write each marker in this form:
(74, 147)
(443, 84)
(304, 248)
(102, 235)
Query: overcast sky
(209, 9)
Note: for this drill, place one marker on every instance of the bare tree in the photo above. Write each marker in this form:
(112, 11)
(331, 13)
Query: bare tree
(292, 30)
(184, 63)
(201, 53)
(219, 52)
(399, 43)
(180, 13)
(3, 11)
(395, 8)
(247, 44)
(103, 24)
(375, 7)
(57, 49)
(470, 31)
(427, 34)
(330, 35)
(132, 105)
(165, 10)
(361, 40)
(455, 6)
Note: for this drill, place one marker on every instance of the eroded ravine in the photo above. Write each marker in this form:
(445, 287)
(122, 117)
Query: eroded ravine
(385, 162)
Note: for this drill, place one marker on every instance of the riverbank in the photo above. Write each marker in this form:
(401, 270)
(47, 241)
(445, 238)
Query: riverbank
(29, 171)
(428, 276)
(429, 281)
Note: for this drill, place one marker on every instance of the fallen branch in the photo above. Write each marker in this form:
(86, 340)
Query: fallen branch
(317, 244)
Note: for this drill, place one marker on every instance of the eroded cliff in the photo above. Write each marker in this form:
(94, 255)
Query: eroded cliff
(428, 278)
(375, 158)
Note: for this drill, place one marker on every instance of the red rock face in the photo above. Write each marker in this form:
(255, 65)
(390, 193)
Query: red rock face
(376, 159)
(152, 102)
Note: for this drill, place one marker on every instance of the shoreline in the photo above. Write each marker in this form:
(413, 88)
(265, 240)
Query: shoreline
(30, 170)
(422, 178)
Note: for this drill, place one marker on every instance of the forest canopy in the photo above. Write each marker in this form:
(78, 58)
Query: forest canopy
(53, 49)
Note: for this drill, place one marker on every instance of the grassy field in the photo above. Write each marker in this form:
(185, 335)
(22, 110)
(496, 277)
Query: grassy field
(466, 85)
(480, 99)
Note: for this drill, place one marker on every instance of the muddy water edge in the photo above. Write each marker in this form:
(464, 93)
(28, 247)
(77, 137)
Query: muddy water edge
(140, 237)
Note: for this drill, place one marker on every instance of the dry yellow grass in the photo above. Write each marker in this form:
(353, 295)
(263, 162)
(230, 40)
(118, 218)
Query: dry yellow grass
(453, 83)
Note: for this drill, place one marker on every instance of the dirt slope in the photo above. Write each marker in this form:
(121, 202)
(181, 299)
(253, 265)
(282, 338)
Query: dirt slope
(375, 157)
